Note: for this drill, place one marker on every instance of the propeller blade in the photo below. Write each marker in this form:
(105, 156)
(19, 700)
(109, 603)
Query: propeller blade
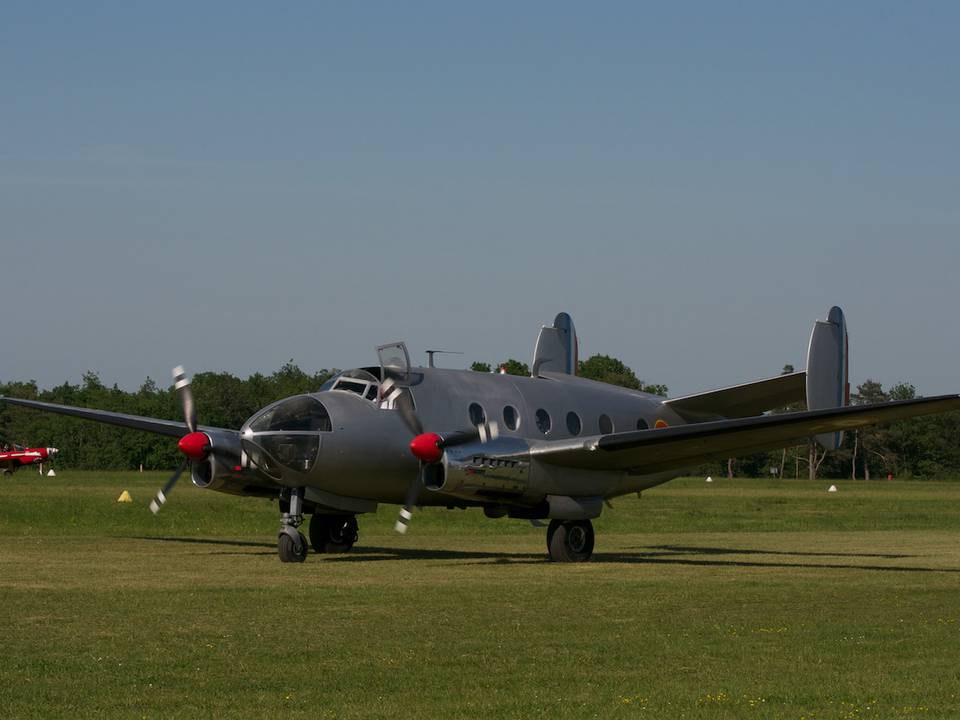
(429, 447)
(406, 512)
(161, 497)
(484, 432)
(182, 384)
(399, 398)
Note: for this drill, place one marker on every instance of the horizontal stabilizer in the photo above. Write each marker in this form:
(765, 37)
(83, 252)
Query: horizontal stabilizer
(744, 400)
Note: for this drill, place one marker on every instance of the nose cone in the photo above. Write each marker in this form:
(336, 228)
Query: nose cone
(426, 447)
(194, 445)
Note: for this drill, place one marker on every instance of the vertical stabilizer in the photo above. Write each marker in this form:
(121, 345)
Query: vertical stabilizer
(556, 349)
(828, 370)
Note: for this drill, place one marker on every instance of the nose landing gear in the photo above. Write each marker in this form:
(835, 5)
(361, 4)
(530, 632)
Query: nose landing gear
(291, 544)
(570, 540)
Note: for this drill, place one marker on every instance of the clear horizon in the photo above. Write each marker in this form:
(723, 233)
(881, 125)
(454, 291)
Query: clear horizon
(233, 185)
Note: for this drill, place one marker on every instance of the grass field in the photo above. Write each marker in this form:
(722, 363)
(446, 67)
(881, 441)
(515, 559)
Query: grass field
(745, 598)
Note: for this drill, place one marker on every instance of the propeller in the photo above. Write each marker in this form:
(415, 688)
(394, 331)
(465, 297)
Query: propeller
(161, 496)
(182, 384)
(194, 445)
(427, 447)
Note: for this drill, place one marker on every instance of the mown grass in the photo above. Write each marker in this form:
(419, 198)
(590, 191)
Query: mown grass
(755, 599)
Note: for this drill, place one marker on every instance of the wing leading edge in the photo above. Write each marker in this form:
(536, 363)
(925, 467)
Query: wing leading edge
(674, 448)
(137, 422)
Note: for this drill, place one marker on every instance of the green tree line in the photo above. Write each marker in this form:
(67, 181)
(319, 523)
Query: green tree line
(222, 399)
(927, 447)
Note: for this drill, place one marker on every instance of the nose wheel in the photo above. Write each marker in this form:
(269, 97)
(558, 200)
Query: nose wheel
(570, 540)
(292, 547)
(291, 544)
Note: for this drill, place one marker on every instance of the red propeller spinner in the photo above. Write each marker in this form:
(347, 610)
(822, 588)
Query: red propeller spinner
(195, 445)
(425, 447)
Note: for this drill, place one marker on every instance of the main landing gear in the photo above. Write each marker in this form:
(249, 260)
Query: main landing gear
(332, 533)
(570, 540)
(328, 533)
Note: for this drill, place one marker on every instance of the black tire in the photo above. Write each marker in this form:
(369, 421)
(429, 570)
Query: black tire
(551, 531)
(333, 533)
(570, 540)
(290, 550)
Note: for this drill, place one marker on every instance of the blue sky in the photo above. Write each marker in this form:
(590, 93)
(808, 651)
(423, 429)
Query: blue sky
(231, 185)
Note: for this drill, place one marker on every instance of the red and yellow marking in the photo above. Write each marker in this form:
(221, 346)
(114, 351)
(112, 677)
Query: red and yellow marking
(660, 423)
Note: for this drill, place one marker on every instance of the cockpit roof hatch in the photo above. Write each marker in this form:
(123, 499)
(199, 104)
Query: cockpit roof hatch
(395, 361)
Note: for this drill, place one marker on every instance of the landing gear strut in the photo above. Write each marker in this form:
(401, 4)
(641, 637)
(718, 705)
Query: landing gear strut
(291, 544)
(570, 540)
(332, 533)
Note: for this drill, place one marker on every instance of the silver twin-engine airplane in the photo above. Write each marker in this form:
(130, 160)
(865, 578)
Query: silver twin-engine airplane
(552, 446)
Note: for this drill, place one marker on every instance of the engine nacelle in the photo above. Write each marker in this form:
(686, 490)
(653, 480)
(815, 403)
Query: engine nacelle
(209, 473)
(212, 473)
(467, 473)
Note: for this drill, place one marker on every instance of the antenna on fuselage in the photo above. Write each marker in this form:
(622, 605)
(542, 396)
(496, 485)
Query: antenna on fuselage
(431, 353)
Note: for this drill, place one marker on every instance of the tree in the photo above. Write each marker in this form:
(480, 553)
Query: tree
(872, 441)
(511, 366)
(604, 368)
(515, 367)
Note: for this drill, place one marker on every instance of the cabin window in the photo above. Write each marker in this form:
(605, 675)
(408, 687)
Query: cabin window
(642, 424)
(573, 423)
(477, 416)
(606, 425)
(543, 421)
(511, 418)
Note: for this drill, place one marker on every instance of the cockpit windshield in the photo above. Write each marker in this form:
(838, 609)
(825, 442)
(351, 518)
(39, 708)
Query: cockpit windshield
(298, 414)
(286, 436)
(360, 382)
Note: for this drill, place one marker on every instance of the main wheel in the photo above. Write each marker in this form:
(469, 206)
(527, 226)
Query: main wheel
(570, 540)
(333, 533)
(291, 550)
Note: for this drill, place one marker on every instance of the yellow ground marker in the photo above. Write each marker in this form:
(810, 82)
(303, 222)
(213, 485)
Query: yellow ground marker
(125, 497)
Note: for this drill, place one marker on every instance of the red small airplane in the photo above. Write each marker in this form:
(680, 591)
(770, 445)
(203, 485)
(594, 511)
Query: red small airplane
(13, 456)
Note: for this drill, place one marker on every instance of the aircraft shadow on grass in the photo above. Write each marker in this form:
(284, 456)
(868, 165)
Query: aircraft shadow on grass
(653, 555)
(202, 541)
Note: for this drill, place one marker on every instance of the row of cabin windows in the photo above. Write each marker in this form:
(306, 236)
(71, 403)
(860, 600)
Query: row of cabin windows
(511, 419)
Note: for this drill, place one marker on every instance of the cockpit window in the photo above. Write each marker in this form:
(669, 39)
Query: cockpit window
(350, 386)
(297, 414)
(359, 381)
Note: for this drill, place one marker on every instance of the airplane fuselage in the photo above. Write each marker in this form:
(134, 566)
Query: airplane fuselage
(364, 450)
(12, 460)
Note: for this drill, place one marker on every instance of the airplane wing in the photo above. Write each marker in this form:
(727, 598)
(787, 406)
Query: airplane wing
(675, 448)
(172, 428)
